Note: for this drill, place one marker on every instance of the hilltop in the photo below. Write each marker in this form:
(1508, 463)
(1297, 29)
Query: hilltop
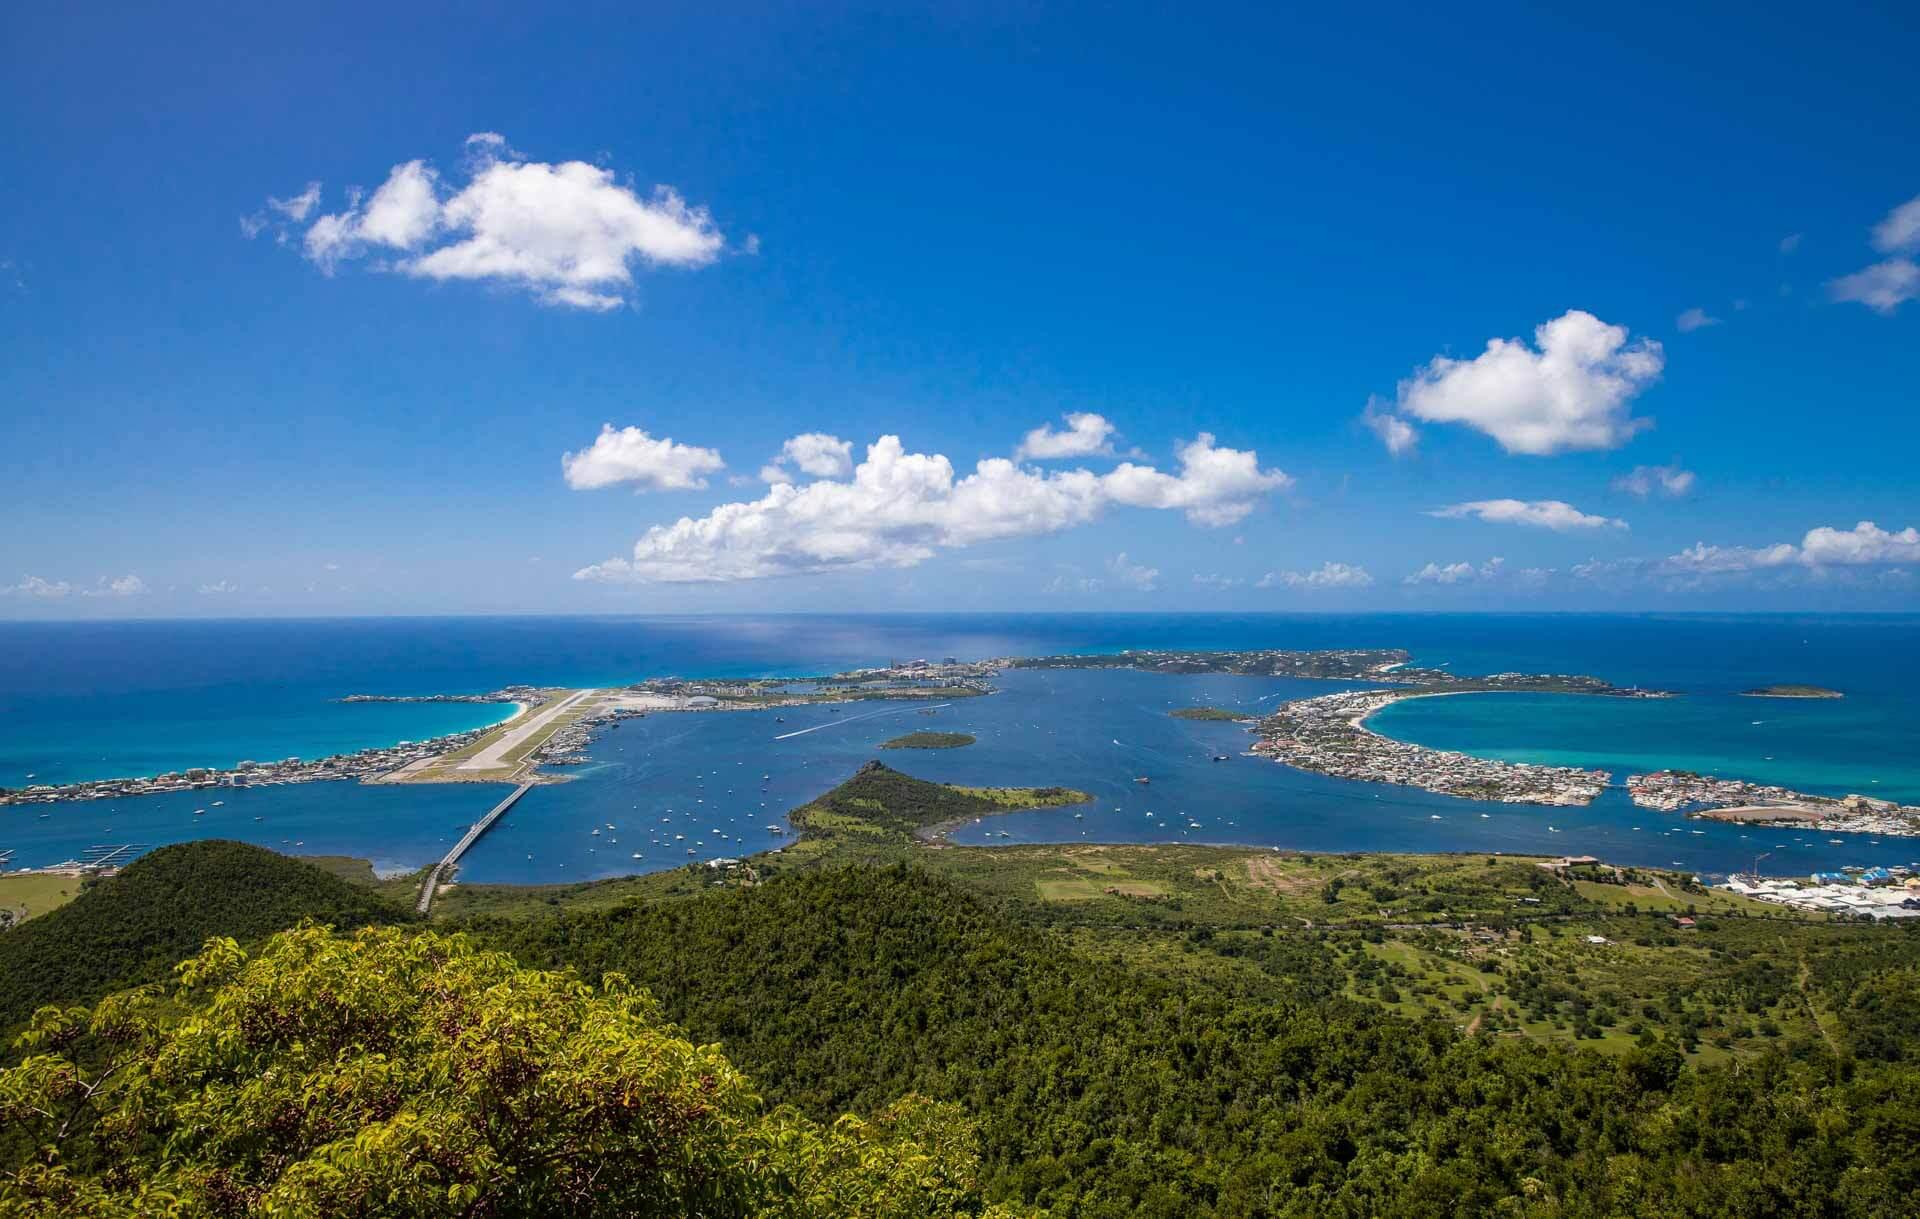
(132, 927)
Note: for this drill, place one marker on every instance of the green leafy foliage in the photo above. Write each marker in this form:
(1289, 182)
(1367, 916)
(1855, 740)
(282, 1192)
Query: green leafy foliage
(133, 927)
(390, 1073)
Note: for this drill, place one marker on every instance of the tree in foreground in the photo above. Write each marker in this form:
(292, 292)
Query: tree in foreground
(395, 1073)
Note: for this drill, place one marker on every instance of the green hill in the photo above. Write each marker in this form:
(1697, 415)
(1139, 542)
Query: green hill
(1105, 1086)
(881, 801)
(131, 928)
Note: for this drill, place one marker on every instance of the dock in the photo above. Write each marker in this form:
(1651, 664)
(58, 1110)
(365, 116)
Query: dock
(445, 867)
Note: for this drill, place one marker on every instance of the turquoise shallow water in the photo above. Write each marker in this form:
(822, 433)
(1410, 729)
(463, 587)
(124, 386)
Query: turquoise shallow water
(133, 698)
(1862, 743)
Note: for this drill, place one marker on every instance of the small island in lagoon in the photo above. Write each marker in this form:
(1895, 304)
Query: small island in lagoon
(1209, 713)
(1791, 690)
(929, 740)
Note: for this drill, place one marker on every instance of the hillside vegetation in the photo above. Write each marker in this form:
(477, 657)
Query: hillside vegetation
(398, 1073)
(1205, 1031)
(133, 927)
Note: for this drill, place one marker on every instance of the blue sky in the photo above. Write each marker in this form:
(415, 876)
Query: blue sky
(1295, 235)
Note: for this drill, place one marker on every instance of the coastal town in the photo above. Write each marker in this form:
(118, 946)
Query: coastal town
(1876, 893)
(1672, 791)
(1328, 735)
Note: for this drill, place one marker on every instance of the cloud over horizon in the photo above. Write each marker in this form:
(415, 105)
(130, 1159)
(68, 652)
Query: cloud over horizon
(1327, 575)
(899, 509)
(1866, 544)
(1554, 514)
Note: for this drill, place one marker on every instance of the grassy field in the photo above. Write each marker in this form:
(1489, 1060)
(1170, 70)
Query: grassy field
(28, 896)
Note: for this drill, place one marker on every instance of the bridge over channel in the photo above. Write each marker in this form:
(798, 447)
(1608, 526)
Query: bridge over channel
(445, 867)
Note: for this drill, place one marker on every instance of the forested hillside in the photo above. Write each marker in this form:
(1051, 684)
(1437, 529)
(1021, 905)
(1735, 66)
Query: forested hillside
(133, 927)
(406, 1073)
(1106, 1090)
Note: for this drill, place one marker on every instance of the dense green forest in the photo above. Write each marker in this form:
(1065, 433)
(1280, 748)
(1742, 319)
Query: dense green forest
(408, 1073)
(159, 910)
(1209, 1031)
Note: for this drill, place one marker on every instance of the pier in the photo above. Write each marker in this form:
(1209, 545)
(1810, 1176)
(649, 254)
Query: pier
(446, 865)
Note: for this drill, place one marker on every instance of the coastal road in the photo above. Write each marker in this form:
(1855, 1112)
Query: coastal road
(446, 865)
(494, 756)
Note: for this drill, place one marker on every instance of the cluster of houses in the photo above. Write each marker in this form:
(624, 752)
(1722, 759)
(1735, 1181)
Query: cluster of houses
(1868, 892)
(1763, 804)
(1326, 735)
(365, 764)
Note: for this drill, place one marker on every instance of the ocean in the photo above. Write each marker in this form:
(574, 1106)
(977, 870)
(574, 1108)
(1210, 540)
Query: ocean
(96, 700)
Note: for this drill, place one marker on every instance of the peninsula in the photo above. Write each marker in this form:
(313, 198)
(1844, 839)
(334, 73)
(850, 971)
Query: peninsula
(1328, 735)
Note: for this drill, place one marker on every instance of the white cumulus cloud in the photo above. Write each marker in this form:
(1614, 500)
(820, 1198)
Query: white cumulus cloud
(1396, 433)
(1457, 573)
(1882, 287)
(1085, 435)
(1866, 544)
(1327, 575)
(1572, 388)
(1128, 574)
(1695, 319)
(1886, 285)
(35, 586)
(567, 232)
(812, 453)
(1214, 580)
(1552, 514)
(898, 509)
(1900, 231)
(1644, 481)
(630, 455)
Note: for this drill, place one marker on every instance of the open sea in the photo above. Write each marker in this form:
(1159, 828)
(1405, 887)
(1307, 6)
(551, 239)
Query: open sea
(97, 700)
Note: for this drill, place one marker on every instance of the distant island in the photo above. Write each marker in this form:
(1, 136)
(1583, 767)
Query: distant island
(1208, 713)
(929, 740)
(1791, 690)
